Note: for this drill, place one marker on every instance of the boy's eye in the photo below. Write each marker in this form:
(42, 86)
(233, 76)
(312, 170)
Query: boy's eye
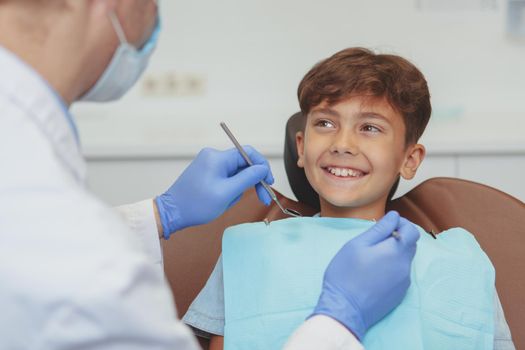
(370, 128)
(324, 123)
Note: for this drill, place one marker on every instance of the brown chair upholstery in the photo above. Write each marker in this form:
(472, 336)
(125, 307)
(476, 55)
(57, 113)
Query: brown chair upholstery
(496, 219)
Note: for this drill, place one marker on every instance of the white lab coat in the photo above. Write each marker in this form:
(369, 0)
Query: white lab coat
(73, 275)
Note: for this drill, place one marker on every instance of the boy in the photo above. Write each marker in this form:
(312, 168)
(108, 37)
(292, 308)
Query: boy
(364, 114)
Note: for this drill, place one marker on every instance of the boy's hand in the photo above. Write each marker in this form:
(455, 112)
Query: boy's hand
(213, 182)
(370, 275)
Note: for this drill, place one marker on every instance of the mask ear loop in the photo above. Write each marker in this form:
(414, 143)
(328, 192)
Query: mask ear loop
(118, 28)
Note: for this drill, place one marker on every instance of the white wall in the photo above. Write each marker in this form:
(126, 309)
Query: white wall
(250, 55)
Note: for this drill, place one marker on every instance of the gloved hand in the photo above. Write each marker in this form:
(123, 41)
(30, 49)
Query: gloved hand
(213, 182)
(370, 275)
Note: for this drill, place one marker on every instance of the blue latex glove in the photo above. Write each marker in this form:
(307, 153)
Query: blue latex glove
(370, 275)
(212, 183)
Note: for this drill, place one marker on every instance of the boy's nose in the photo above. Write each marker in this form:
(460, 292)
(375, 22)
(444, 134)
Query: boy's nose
(344, 143)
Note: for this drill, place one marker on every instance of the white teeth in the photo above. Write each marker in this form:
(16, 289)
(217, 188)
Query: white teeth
(344, 172)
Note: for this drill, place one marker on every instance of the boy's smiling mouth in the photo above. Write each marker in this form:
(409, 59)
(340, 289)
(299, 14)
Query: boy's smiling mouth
(344, 172)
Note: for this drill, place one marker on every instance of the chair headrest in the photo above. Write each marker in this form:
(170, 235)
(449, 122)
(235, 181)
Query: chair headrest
(301, 188)
(296, 176)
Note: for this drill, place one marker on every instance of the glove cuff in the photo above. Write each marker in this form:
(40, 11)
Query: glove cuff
(169, 216)
(342, 310)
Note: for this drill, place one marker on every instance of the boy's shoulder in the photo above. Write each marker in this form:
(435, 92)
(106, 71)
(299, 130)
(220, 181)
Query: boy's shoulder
(456, 233)
(453, 242)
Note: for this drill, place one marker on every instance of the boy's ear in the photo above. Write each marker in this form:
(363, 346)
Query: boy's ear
(299, 142)
(414, 157)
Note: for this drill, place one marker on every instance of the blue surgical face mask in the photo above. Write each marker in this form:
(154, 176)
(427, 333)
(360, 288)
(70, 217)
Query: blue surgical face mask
(126, 66)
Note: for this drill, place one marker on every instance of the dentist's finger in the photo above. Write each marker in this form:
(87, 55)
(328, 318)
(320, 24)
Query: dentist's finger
(408, 232)
(381, 230)
(258, 158)
(244, 179)
(263, 195)
(255, 158)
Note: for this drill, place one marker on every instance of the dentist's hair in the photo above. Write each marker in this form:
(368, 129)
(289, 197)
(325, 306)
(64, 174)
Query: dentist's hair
(361, 72)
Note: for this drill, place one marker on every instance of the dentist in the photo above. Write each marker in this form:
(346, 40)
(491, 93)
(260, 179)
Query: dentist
(73, 274)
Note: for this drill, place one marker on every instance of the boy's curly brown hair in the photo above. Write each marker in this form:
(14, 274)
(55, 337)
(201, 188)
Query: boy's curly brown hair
(359, 71)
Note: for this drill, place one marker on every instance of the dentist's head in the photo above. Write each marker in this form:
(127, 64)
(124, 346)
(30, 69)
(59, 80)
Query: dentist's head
(92, 50)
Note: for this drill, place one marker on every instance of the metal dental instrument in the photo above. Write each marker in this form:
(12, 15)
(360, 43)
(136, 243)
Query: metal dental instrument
(272, 194)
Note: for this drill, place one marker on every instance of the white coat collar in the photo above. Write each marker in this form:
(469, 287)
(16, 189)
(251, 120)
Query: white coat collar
(24, 87)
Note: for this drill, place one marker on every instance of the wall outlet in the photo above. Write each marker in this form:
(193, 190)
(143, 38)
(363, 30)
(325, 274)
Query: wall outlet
(173, 84)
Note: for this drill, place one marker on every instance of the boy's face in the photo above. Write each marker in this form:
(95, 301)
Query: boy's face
(352, 153)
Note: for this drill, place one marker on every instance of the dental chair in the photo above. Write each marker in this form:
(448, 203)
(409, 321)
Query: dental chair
(495, 218)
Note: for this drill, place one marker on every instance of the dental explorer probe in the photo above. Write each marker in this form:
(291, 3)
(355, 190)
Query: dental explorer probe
(272, 194)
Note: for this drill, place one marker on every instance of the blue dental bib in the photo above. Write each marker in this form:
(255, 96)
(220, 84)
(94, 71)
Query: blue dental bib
(273, 276)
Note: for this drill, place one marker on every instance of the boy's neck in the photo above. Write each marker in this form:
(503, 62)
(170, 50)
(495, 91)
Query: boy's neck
(373, 211)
